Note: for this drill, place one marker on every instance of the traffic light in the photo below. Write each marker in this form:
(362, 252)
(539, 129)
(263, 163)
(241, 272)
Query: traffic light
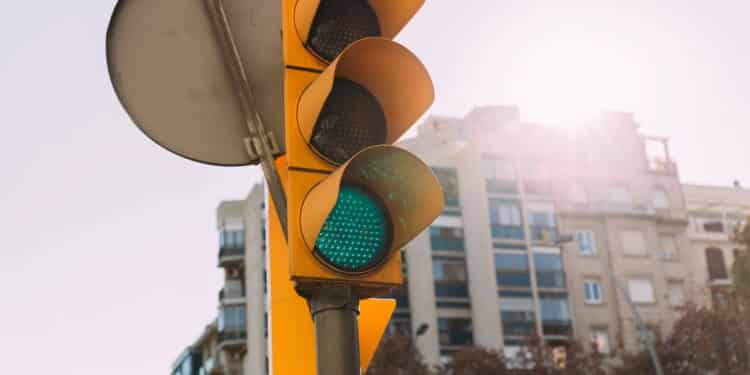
(350, 92)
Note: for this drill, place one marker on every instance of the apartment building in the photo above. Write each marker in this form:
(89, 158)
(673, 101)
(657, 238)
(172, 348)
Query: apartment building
(539, 225)
(223, 347)
(715, 212)
(546, 232)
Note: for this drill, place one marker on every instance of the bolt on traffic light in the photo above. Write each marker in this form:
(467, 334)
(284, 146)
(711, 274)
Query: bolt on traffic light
(354, 200)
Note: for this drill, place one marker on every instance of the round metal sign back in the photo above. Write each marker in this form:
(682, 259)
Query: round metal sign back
(169, 73)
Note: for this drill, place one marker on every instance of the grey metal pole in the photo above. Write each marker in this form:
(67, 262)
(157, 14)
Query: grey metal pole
(641, 327)
(335, 310)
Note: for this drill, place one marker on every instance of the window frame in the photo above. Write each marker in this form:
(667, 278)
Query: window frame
(594, 287)
(581, 234)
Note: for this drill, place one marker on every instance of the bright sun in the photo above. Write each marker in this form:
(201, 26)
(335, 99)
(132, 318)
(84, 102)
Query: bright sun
(563, 82)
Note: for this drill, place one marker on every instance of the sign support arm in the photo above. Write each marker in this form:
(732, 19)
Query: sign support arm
(260, 143)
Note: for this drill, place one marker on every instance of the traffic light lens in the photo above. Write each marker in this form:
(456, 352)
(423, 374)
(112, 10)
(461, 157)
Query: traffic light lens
(351, 120)
(356, 235)
(338, 23)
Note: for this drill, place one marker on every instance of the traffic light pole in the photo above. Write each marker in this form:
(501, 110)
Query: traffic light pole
(335, 310)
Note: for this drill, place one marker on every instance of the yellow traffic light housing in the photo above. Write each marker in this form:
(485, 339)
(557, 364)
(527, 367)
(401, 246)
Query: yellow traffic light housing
(353, 200)
(316, 31)
(371, 94)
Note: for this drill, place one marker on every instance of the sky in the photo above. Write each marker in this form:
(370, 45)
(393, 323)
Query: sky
(109, 247)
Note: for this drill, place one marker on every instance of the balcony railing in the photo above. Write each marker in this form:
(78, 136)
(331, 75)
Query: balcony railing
(502, 186)
(451, 289)
(518, 328)
(507, 232)
(227, 336)
(447, 244)
(513, 279)
(550, 279)
(231, 251)
(224, 295)
(456, 338)
(557, 327)
(544, 234)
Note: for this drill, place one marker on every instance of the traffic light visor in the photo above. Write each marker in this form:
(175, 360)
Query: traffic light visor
(374, 204)
(327, 27)
(371, 94)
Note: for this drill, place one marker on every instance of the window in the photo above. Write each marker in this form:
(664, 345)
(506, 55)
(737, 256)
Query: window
(620, 195)
(505, 212)
(555, 314)
(547, 261)
(232, 318)
(659, 198)
(717, 269)
(500, 176)
(633, 242)
(448, 178)
(449, 270)
(600, 340)
(232, 239)
(450, 278)
(713, 226)
(233, 288)
(554, 307)
(517, 315)
(455, 331)
(447, 238)
(512, 270)
(668, 247)
(675, 294)
(549, 272)
(641, 291)
(577, 193)
(505, 219)
(586, 244)
(508, 261)
(592, 292)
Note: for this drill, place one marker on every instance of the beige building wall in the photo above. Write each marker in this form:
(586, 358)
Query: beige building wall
(714, 213)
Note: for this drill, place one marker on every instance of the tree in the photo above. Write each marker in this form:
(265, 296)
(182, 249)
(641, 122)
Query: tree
(741, 267)
(704, 341)
(473, 360)
(396, 355)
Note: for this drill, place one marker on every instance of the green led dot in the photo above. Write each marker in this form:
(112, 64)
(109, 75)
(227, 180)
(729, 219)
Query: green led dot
(356, 234)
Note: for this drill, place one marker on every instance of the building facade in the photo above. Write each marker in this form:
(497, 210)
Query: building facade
(545, 233)
(715, 213)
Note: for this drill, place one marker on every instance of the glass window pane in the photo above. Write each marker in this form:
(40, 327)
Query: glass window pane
(518, 262)
(547, 261)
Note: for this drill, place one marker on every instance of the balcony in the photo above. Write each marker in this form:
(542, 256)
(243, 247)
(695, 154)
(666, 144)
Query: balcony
(507, 232)
(231, 255)
(550, 279)
(513, 279)
(232, 297)
(447, 244)
(451, 290)
(544, 234)
(557, 327)
(232, 339)
(518, 323)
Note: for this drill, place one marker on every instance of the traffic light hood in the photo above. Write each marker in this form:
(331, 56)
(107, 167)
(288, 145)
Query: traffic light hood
(391, 16)
(389, 72)
(409, 192)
